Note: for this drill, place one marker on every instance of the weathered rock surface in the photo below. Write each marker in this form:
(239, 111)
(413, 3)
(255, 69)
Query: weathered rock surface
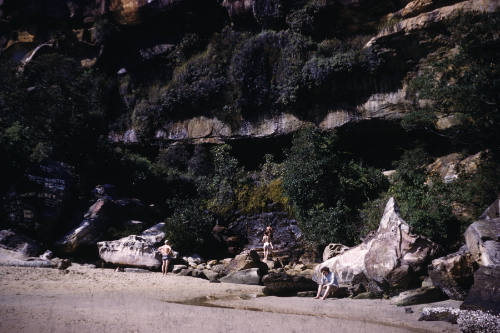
(485, 292)
(137, 251)
(393, 257)
(246, 276)
(419, 296)
(450, 166)
(90, 231)
(283, 284)
(483, 241)
(245, 260)
(333, 249)
(426, 19)
(454, 273)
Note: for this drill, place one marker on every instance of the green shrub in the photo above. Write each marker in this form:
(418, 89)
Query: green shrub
(326, 187)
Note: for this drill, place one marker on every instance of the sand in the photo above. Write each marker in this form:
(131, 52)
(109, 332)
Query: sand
(84, 299)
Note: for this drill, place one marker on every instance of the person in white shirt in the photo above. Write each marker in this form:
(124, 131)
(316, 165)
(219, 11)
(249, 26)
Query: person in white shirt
(326, 280)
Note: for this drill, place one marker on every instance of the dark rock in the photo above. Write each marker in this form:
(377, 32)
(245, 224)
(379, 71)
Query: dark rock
(198, 273)
(310, 293)
(492, 212)
(177, 268)
(186, 272)
(246, 276)
(440, 314)
(485, 292)
(368, 295)
(408, 310)
(419, 296)
(41, 200)
(16, 242)
(453, 274)
(287, 237)
(63, 263)
(282, 284)
(340, 292)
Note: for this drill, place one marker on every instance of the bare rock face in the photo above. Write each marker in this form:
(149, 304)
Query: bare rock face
(89, 232)
(450, 166)
(287, 237)
(245, 260)
(392, 258)
(136, 251)
(130, 12)
(333, 249)
(37, 208)
(483, 240)
(453, 274)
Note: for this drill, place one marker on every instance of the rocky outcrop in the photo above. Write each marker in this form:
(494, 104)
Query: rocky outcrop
(136, 251)
(393, 258)
(333, 250)
(92, 228)
(283, 284)
(245, 260)
(246, 276)
(21, 244)
(454, 273)
(449, 167)
(287, 237)
(483, 241)
(426, 19)
(39, 205)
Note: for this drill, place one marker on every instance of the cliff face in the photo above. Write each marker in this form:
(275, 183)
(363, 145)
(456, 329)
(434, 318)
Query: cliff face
(183, 76)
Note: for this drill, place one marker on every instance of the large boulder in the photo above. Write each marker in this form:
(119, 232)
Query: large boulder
(454, 273)
(283, 284)
(333, 249)
(483, 241)
(246, 276)
(21, 244)
(392, 258)
(485, 292)
(136, 251)
(89, 232)
(245, 260)
(419, 296)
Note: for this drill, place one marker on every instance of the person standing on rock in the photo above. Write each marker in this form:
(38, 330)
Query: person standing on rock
(268, 245)
(326, 280)
(166, 256)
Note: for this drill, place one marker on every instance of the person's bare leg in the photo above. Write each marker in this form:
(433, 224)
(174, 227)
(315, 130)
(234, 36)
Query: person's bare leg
(265, 253)
(166, 267)
(320, 287)
(326, 292)
(163, 267)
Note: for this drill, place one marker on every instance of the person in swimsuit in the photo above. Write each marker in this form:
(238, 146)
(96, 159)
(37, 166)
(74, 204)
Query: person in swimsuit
(326, 280)
(267, 244)
(166, 256)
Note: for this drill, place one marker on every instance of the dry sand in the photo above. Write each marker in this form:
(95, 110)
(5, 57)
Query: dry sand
(83, 299)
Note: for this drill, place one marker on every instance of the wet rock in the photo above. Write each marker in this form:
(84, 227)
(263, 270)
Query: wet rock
(62, 263)
(368, 295)
(333, 249)
(419, 296)
(453, 274)
(246, 276)
(310, 293)
(282, 284)
(392, 258)
(485, 292)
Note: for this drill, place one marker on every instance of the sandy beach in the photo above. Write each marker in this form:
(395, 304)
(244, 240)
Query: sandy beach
(85, 299)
